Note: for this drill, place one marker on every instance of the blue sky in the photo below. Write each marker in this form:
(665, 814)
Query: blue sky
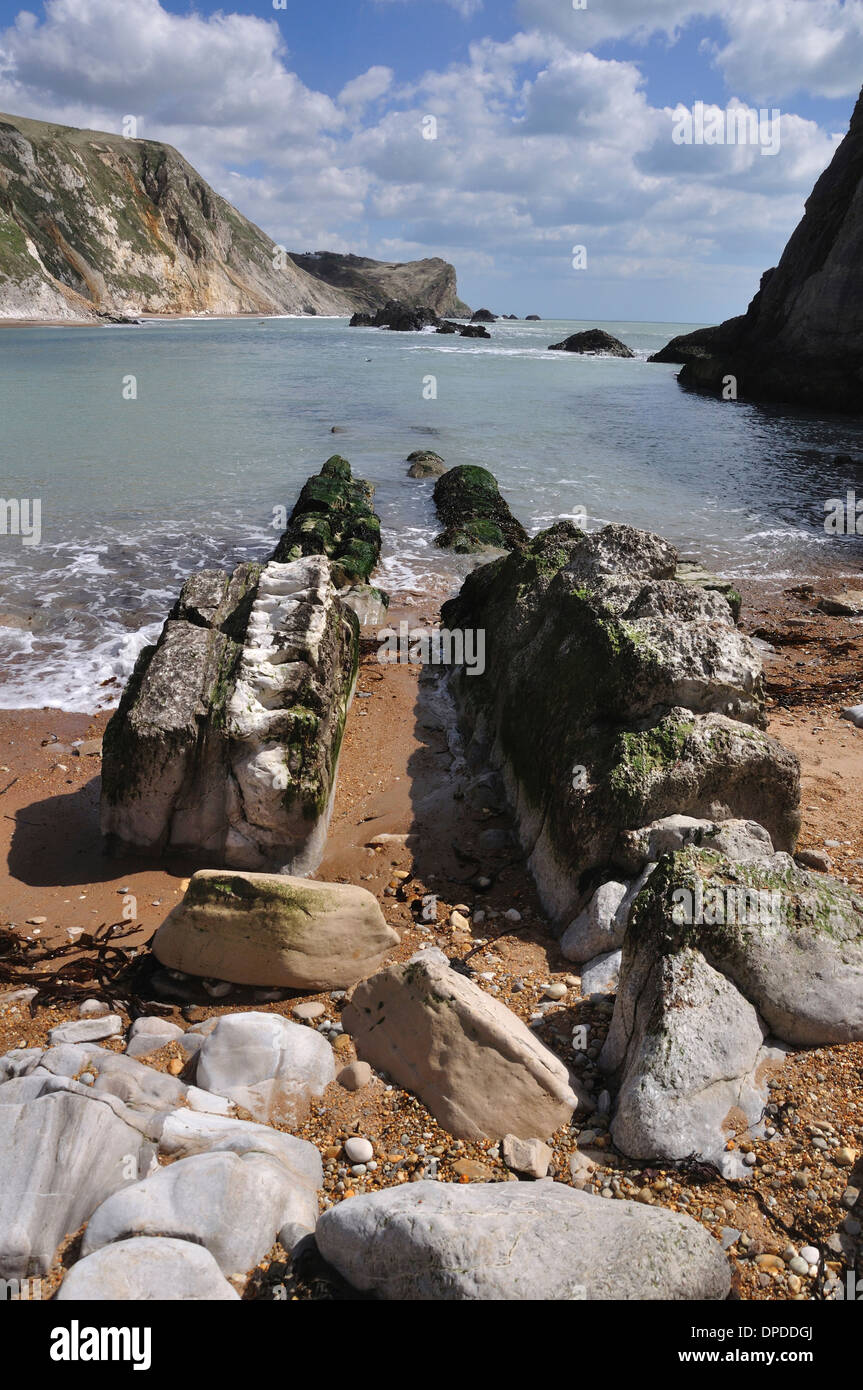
(553, 129)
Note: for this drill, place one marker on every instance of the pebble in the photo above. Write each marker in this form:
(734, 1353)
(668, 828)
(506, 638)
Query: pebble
(810, 1255)
(217, 989)
(512, 915)
(471, 1171)
(36, 921)
(306, 1012)
(556, 990)
(93, 1008)
(798, 1265)
(844, 1157)
(354, 1076)
(851, 1226)
(359, 1150)
(459, 922)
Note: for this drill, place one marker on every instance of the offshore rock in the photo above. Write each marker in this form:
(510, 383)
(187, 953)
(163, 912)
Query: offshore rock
(474, 514)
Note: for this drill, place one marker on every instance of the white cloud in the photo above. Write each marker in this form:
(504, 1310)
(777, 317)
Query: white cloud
(774, 48)
(369, 86)
(466, 8)
(540, 145)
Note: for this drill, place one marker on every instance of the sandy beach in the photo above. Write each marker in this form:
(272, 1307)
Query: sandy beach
(394, 782)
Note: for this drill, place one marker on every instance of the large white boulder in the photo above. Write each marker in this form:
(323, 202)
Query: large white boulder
(266, 1064)
(146, 1270)
(518, 1241)
(233, 1205)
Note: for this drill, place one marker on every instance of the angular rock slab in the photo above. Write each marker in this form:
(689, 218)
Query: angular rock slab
(232, 1205)
(696, 1067)
(227, 736)
(146, 1270)
(518, 1241)
(274, 930)
(267, 1065)
(469, 1058)
(715, 954)
(60, 1156)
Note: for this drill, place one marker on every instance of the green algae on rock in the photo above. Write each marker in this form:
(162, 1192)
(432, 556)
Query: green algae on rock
(474, 515)
(274, 930)
(333, 516)
(614, 695)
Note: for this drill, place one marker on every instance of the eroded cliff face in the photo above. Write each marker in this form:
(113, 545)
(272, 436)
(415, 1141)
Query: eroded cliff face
(801, 339)
(93, 223)
(372, 284)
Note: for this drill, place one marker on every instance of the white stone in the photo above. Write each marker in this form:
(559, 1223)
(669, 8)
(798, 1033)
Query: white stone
(87, 1030)
(232, 1204)
(266, 1064)
(146, 1269)
(516, 1241)
(359, 1150)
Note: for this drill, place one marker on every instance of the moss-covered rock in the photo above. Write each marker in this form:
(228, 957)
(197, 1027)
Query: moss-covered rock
(274, 930)
(333, 516)
(612, 696)
(474, 515)
(227, 737)
(718, 955)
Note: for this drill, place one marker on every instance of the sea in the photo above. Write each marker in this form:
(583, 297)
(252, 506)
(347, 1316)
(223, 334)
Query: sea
(160, 448)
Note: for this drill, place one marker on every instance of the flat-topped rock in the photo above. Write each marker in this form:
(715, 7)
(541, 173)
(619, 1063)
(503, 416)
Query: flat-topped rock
(445, 1242)
(274, 930)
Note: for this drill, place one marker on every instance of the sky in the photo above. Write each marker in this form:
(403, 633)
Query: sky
(552, 126)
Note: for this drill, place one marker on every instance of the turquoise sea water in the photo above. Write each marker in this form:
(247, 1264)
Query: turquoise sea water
(231, 416)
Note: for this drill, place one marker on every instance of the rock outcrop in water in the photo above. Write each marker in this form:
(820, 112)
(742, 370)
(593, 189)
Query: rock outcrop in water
(614, 695)
(593, 340)
(801, 338)
(370, 285)
(227, 737)
(398, 317)
(474, 515)
(333, 516)
(97, 224)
